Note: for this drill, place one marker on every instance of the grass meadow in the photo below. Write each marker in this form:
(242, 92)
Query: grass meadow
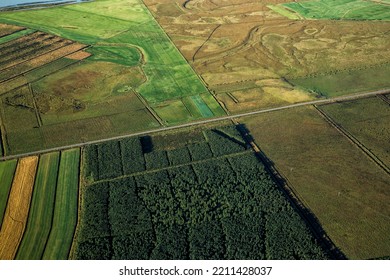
(345, 190)
(40, 217)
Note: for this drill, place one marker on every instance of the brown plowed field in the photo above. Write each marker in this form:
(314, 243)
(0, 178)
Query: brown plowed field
(37, 48)
(63, 49)
(20, 42)
(17, 208)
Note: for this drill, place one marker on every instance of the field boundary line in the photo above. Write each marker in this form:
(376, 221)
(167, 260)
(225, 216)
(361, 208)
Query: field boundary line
(22, 58)
(201, 122)
(37, 57)
(3, 131)
(204, 43)
(383, 98)
(169, 167)
(150, 109)
(353, 140)
(40, 67)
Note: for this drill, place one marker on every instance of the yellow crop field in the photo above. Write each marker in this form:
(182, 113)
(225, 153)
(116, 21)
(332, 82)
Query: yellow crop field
(17, 208)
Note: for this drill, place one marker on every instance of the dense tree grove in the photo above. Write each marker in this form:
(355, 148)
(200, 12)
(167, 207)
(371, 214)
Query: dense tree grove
(110, 165)
(91, 157)
(132, 156)
(221, 143)
(200, 151)
(218, 208)
(179, 156)
(156, 159)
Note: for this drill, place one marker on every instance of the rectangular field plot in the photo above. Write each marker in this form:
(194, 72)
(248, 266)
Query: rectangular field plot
(118, 159)
(341, 9)
(7, 170)
(42, 116)
(15, 35)
(18, 205)
(188, 212)
(65, 207)
(366, 119)
(6, 29)
(344, 189)
(346, 82)
(41, 210)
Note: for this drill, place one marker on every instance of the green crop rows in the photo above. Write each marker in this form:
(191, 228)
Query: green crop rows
(65, 208)
(40, 217)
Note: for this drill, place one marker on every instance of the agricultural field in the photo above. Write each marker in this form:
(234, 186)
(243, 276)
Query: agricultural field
(346, 81)
(367, 120)
(16, 213)
(140, 202)
(41, 210)
(126, 40)
(342, 187)
(65, 213)
(252, 57)
(111, 146)
(7, 170)
(41, 205)
(341, 9)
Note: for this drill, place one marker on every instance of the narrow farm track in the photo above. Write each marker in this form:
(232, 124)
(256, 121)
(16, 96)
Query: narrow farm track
(205, 121)
(16, 214)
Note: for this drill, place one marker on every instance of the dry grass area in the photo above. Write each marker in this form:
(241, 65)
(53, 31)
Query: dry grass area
(347, 192)
(16, 214)
(6, 29)
(236, 41)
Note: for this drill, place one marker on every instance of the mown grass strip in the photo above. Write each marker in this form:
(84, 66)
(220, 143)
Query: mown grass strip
(15, 35)
(7, 170)
(283, 11)
(213, 105)
(41, 211)
(18, 205)
(65, 210)
(202, 106)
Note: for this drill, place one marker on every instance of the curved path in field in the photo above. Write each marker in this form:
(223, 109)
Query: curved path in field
(206, 121)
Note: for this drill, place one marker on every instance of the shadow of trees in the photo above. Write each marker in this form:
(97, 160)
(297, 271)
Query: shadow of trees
(307, 215)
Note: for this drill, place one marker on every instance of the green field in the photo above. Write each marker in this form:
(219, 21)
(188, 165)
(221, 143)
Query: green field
(346, 191)
(366, 119)
(41, 209)
(348, 81)
(71, 101)
(125, 24)
(341, 9)
(284, 12)
(7, 169)
(65, 208)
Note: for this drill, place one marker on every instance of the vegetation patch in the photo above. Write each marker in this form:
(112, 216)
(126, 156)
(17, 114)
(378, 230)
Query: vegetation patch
(66, 207)
(367, 120)
(16, 214)
(341, 9)
(7, 170)
(342, 187)
(347, 81)
(181, 210)
(40, 216)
